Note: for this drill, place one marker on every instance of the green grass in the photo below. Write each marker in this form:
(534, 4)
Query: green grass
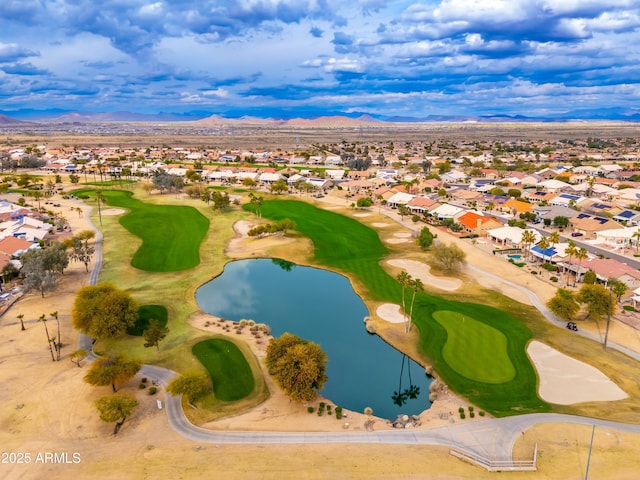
(474, 349)
(171, 235)
(146, 313)
(346, 245)
(228, 368)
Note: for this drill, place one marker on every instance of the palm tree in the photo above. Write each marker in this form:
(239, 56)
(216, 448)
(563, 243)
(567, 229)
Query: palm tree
(544, 244)
(554, 238)
(528, 239)
(571, 250)
(581, 255)
(43, 319)
(58, 344)
(405, 279)
(21, 318)
(417, 286)
(636, 235)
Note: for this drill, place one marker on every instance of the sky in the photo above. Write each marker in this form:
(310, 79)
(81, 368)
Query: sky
(287, 58)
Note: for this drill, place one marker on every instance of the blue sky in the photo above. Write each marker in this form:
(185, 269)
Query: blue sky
(405, 58)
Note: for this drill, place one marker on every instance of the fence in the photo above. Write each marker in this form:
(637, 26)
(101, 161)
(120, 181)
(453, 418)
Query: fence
(497, 465)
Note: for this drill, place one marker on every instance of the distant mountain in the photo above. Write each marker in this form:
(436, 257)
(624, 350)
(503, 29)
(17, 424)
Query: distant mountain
(6, 120)
(217, 120)
(91, 117)
(333, 121)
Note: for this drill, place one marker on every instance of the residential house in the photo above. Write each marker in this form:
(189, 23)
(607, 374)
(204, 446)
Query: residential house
(454, 176)
(422, 205)
(446, 210)
(476, 224)
(589, 225)
(399, 198)
(511, 236)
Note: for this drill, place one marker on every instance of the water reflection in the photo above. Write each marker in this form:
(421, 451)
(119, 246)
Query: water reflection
(321, 306)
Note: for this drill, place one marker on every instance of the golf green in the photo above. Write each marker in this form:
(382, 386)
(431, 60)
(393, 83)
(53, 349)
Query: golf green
(228, 368)
(171, 234)
(475, 350)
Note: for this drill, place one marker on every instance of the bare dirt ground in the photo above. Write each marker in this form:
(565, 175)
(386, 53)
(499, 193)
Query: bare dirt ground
(46, 407)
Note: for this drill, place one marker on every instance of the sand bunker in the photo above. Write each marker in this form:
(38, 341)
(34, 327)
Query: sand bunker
(361, 214)
(402, 235)
(565, 380)
(422, 271)
(396, 240)
(380, 224)
(113, 211)
(390, 312)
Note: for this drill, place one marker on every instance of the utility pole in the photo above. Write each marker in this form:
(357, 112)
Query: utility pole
(586, 473)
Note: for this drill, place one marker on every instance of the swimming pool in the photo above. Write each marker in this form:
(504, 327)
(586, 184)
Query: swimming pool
(515, 257)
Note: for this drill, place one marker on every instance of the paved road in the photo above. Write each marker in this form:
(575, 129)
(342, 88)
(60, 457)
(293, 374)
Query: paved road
(491, 438)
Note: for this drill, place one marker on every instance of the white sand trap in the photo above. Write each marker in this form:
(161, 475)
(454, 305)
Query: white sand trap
(390, 312)
(422, 271)
(402, 235)
(565, 380)
(113, 211)
(380, 224)
(361, 214)
(396, 240)
(242, 227)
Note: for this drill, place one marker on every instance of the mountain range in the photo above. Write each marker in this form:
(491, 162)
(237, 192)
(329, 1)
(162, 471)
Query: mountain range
(328, 119)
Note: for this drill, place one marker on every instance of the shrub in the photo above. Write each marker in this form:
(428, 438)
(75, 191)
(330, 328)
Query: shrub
(310, 409)
(462, 416)
(470, 408)
(142, 385)
(472, 415)
(629, 308)
(322, 404)
(481, 413)
(461, 410)
(152, 390)
(338, 411)
(144, 380)
(533, 272)
(554, 279)
(319, 412)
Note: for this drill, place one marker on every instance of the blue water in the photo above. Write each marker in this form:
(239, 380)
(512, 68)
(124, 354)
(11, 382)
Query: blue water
(515, 257)
(320, 306)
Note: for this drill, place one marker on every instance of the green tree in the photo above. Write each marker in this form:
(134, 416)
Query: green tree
(81, 251)
(104, 311)
(249, 183)
(448, 257)
(112, 369)
(561, 221)
(528, 239)
(79, 355)
(116, 408)
(403, 211)
(564, 304)
(618, 287)
(597, 301)
(543, 245)
(364, 202)
(154, 334)
(425, 239)
(279, 186)
(590, 277)
(193, 385)
(221, 201)
(255, 201)
(297, 365)
(42, 268)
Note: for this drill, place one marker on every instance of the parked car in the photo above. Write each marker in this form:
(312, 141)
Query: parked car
(577, 234)
(572, 326)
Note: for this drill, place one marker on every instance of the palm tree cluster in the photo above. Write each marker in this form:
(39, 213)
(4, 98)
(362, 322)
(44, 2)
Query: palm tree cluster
(414, 284)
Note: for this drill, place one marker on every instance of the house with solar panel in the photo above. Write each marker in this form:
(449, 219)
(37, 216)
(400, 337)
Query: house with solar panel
(589, 225)
(628, 217)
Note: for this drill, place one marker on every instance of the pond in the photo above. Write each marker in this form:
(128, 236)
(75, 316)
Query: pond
(321, 306)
